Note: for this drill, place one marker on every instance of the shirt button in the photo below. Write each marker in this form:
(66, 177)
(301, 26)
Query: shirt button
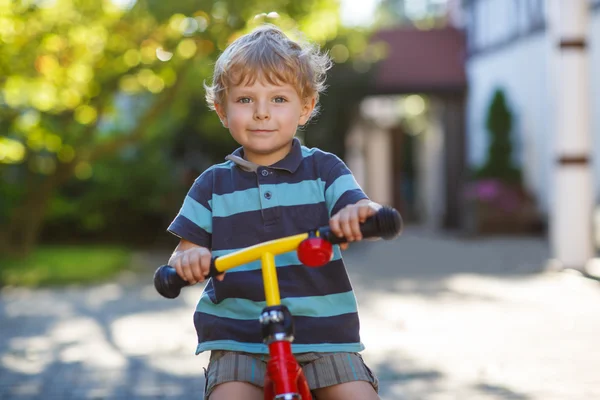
(268, 195)
(264, 172)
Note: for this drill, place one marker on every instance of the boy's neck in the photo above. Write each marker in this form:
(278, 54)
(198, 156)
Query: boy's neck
(267, 159)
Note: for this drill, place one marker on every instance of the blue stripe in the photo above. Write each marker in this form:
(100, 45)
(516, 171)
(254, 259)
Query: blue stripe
(197, 213)
(294, 281)
(283, 194)
(260, 348)
(281, 260)
(316, 306)
(250, 228)
(341, 185)
(352, 366)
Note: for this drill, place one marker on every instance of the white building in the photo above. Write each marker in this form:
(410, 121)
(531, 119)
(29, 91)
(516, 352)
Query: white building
(508, 44)
(406, 146)
(513, 45)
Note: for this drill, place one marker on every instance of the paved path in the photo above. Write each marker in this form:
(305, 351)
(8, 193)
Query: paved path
(442, 319)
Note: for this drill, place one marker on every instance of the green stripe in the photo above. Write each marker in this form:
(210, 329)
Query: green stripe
(340, 186)
(260, 348)
(197, 213)
(314, 306)
(283, 195)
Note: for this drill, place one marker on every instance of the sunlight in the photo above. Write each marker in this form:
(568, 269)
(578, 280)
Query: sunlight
(28, 355)
(180, 364)
(98, 296)
(593, 267)
(340, 53)
(85, 114)
(357, 12)
(123, 4)
(163, 55)
(414, 105)
(132, 57)
(83, 340)
(43, 96)
(187, 48)
(463, 330)
(168, 332)
(11, 151)
(83, 170)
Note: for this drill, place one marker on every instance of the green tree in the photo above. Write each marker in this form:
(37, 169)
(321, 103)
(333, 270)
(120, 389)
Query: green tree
(85, 84)
(499, 162)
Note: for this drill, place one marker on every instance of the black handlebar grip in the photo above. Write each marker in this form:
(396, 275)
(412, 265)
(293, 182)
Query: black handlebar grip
(169, 284)
(386, 223)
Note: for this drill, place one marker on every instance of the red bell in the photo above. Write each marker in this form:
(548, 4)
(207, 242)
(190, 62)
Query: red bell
(315, 252)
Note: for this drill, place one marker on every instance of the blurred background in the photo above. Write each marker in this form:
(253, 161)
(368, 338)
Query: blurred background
(444, 109)
(104, 124)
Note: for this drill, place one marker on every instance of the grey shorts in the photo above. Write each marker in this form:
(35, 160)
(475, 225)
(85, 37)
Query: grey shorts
(320, 369)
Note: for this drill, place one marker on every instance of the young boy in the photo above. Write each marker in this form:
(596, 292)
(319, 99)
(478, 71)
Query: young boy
(265, 86)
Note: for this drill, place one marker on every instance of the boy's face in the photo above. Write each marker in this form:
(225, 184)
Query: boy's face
(263, 118)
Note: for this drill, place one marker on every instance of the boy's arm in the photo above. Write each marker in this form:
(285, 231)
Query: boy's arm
(347, 203)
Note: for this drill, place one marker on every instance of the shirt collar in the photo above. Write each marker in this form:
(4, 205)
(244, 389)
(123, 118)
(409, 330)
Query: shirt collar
(289, 163)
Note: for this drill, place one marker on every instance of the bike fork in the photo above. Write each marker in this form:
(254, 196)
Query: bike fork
(284, 379)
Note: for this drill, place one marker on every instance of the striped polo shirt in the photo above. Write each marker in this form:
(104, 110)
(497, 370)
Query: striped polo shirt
(238, 204)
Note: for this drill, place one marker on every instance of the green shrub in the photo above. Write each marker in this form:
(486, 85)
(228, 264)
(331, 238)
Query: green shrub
(499, 123)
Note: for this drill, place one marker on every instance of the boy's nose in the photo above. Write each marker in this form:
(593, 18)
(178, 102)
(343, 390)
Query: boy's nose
(261, 111)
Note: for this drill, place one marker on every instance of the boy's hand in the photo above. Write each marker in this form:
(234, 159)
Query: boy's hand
(192, 264)
(346, 223)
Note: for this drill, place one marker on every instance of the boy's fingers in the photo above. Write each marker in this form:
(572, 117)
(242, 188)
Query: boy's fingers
(355, 225)
(177, 265)
(186, 269)
(334, 225)
(196, 264)
(346, 229)
(205, 260)
(364, 213)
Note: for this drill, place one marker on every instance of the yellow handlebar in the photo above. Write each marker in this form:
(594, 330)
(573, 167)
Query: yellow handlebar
(265, 252)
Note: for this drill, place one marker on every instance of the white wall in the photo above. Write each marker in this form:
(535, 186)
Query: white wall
(521, 69)
(594, 41)
(525, 70)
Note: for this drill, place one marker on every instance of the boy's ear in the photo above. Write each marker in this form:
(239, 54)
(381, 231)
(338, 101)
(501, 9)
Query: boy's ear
(307, 109)
(221, 113)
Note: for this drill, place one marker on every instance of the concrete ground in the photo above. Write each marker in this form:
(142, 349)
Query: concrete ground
(442, 318)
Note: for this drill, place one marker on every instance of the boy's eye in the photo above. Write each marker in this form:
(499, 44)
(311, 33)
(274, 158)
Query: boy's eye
(243, 100)
(279, 99)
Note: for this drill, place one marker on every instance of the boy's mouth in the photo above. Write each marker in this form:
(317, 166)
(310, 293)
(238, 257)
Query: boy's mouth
(262, 131)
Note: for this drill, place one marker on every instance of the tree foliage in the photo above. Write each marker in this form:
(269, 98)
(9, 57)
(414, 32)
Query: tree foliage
(98, 98)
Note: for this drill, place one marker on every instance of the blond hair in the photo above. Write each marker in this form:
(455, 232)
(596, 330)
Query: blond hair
(267, 53)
